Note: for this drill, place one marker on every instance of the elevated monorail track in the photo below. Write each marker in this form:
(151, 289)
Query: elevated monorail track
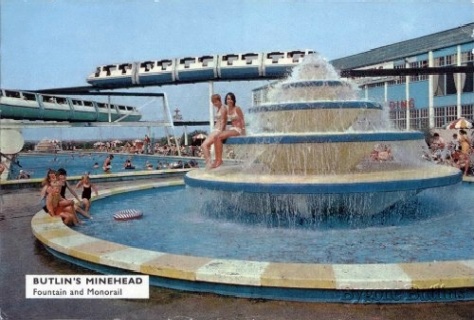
(356, 73)
(57, 103)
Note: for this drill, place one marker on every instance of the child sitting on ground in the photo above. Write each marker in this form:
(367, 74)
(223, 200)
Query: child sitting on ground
(54, 208)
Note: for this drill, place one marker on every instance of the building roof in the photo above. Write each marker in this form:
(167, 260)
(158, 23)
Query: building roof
(408, 48)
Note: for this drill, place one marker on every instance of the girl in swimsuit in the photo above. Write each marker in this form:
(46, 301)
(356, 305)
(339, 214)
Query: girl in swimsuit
(46, 186)
(465, 155)
(236, 117)
(87, 188)
(219, 127)
(55, 208)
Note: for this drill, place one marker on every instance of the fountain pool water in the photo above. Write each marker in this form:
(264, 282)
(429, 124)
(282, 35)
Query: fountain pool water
(307, 215)
(408, 232)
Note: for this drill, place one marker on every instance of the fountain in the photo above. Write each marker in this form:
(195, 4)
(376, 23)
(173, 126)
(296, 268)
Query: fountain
(308, 152)
(345, 226)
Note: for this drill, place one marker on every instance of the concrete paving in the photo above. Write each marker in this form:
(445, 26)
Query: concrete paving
(22, 254)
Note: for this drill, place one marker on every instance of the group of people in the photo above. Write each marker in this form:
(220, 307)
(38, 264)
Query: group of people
(55, 203)
(163, 165)
(224, 113)
(457, 152)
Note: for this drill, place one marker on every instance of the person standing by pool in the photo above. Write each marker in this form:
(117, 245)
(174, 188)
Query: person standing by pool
(219, 127)
(107, 166)
(236, 117)
(87, 188)
(465, 156)
(146, 144)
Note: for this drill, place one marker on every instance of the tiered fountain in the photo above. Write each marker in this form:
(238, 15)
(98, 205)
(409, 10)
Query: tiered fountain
(305, 165)
(308, 153)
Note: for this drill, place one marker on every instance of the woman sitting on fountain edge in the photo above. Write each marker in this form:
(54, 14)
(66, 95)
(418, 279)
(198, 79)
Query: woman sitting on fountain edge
(236, 117)
(219, 127)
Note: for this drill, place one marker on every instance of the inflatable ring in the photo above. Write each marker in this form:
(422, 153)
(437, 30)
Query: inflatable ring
(128, 214)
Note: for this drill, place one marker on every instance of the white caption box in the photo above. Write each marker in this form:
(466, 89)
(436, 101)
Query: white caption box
(87, 287)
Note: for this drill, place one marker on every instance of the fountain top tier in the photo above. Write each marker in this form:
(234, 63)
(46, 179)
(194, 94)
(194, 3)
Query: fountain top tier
(312, 99)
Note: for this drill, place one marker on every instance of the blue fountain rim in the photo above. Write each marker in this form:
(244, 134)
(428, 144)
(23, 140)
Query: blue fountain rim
(326, 138)
(308, 105)
(315, 83)
(289, 187)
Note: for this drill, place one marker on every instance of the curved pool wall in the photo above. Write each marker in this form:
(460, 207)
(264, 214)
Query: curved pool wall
(437, 281)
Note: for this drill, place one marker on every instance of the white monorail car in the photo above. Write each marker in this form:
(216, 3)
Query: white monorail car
(226, 67)
(19, 105)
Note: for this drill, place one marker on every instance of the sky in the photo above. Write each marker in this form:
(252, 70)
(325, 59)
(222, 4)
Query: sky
(58, 43)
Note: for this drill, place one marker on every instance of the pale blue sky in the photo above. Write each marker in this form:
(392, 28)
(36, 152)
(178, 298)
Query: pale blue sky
(57, 43)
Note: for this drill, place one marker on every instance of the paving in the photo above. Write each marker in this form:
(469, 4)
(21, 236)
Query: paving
(22, 254)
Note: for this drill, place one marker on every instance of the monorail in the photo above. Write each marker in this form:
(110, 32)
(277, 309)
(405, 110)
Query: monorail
(19, 105)
(227, 67)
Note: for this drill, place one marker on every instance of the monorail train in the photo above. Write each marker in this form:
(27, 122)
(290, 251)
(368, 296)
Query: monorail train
(247, 66)
(19, 105)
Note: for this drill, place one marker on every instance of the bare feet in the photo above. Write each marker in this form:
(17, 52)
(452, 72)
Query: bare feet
(217, 163)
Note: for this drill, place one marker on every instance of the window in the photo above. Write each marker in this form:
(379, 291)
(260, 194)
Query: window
(469, 82)
(450, 84)
(451, 113)
(467, 57)
(400, 79)
(439, 117)
(451, 59)
(419, 119)
(440, 62)
(467, 111)
(419, 64)
(443, 115)
(440, 89)
(61, 100)
(399, 118)
(374, 85)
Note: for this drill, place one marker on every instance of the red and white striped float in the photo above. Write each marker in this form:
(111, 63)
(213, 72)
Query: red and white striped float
(128, 214)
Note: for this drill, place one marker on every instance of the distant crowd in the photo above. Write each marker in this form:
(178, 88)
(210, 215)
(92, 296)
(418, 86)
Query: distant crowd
(456, 152)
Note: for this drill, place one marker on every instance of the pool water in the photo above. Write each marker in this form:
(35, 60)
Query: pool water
(77, 164)
(436, 225)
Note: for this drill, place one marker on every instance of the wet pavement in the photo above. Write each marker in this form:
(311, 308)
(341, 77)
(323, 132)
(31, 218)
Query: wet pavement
(22, 254)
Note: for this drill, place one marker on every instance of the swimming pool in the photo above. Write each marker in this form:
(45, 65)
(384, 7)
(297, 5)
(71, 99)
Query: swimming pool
(77, 164)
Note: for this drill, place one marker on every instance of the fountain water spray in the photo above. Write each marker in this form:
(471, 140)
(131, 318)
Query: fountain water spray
(309, 152)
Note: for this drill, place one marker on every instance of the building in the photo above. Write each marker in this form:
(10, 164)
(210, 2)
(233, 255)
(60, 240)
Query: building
(421, 101)
(47, 145)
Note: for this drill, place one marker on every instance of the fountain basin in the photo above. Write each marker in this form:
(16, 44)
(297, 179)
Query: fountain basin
(401, 282)
(312, 116)
(364, 194)
(314, 153)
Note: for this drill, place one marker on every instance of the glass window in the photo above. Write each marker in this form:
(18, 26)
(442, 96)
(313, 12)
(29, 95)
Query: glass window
(469, 82)
(440, 89)
(467, 111)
